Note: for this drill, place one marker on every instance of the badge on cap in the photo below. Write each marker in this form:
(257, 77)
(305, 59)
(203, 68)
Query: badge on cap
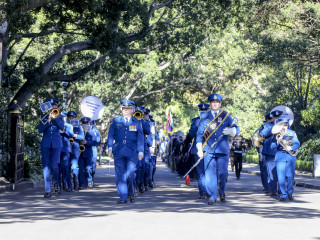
(215, 97)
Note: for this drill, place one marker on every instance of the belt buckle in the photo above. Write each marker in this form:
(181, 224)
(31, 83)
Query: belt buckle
(124, 141)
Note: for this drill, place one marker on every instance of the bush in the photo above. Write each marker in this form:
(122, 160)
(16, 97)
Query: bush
(309, 148)
(304, 166)
(301, 165)
(251, 156)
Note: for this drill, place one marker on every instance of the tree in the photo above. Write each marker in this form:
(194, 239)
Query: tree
(95, 33)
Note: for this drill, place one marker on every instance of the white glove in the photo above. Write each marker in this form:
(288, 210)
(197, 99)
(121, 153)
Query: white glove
(229, 131)
(289, 148)
(200, 151)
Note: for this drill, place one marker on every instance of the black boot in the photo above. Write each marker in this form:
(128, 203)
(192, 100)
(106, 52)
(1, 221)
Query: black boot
(57, 188)
(141, 188)
(151, 184)
(222, 198)
(75, 183)
(47, 195)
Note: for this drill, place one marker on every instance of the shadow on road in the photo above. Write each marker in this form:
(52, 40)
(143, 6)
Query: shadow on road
(244, 196)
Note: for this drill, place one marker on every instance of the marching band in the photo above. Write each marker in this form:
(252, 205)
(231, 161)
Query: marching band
(69, 150)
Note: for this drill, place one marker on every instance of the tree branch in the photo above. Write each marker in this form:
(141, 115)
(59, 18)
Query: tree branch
(65, 50)
(35, 4)
(156, 91)
(78, 74)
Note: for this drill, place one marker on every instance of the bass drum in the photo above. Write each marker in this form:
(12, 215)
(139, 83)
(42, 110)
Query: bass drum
(257, 139)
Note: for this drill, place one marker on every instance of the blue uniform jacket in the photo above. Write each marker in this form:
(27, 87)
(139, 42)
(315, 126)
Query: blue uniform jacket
(65, 136)
(126, 141)
(146, 131)
(193, 133)
(98, 139)
(268, 148)
(91, 141)
(222, 147)
(80, 136)
(51, 134)
(290, 135)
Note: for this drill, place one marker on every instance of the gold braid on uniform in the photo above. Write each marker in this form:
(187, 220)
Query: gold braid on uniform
(205, 132)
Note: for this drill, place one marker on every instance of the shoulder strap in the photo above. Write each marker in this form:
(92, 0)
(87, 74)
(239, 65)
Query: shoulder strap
(213, 126)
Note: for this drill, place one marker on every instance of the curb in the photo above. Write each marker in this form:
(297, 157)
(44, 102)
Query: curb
(297, 184)
(21, 186)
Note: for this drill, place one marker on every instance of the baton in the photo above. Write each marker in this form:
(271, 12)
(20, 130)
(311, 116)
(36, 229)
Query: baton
(219, 138)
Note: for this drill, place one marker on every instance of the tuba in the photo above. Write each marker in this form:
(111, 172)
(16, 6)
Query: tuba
(138, 114)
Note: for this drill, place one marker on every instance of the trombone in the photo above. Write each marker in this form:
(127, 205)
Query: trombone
(54, 113)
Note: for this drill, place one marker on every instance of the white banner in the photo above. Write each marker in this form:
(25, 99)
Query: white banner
(92, 107)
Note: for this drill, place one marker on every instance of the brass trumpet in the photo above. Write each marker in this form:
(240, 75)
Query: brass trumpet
(82, 148)
(138, 114)
(71, 141)
(55, 112)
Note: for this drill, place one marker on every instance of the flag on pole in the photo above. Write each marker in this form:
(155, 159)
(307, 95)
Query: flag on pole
(169, 126)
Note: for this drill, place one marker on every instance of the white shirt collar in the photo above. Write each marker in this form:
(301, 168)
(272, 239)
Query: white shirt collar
(213, 112)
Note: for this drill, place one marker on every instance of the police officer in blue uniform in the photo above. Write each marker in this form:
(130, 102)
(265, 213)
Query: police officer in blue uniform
(85, 159)
(269, 152)
(286, 143)
(94, 148)
(126, 142)
(75, 150)
(213, 124)
(66, 134)
(51, 146)
(203, 107)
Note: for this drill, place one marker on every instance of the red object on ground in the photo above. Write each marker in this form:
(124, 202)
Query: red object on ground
(188, 180)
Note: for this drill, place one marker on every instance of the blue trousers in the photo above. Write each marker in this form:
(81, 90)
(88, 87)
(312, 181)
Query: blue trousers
(74, 160)
(264, 173)
(85, 171)
(216, 168)
(142, 170)
(64, 174)
(200, 175)
(94, 160)
(272, 173)
(50, 165)
(124, 171)
(153, 160)
(286, 170)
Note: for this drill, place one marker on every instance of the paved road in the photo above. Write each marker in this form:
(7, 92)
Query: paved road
(170, 211)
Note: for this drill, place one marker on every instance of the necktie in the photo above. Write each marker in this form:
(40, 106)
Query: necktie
(126, 121)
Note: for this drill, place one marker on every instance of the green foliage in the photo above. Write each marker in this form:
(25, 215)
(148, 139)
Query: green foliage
(309, 148)
(304, 166)
(311, 115)
(251, 156)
